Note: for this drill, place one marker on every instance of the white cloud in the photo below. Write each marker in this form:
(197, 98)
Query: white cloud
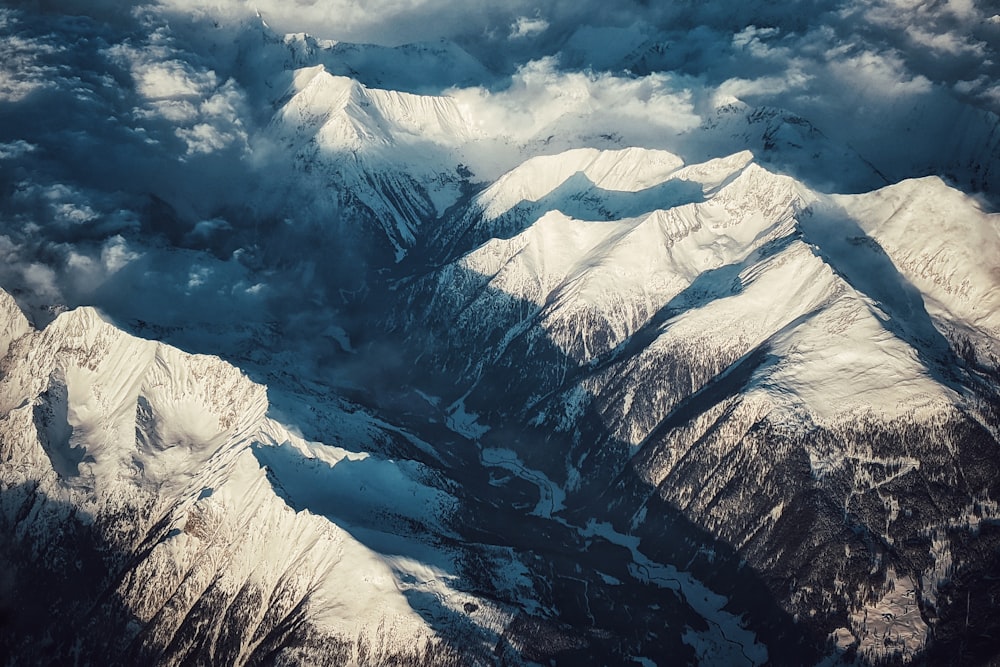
(878, 75)
(767, 86)
(8, 249)
(42, 281)
(754, 40)
(15, 149)
(81, 271)
(207, 138)
(964, 10)
(946, 43)
(379, 21)
(22, 67)
(527, 27)
(198, 276)
(170, 79)
(116, 254)
(540, 94)
(544, 110)
(206, 228)
(206, 111)
(75, 214)
(933, 38)
(175, 111)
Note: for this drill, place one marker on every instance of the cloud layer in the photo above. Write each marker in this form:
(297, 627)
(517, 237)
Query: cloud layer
(134, 150)
(950, 41)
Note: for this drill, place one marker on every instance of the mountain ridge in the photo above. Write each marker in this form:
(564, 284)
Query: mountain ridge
(370, 354)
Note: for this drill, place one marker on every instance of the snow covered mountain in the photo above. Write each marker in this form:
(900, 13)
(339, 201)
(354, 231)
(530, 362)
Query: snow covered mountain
(151, 504)
(746, 358)
(315, 352)
(385, 153)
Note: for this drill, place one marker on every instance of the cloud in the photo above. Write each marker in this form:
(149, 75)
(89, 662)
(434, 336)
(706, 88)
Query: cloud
(22, 60)
(779, 54)
(41, 280)
(116, 254)
(99, 121)
(527, 27)
(388, 22)
(207, 138)
(942, 41)
(204, 111)
(875, 75)
(546, 110)
(166, 79)
(946, 44)
(15, 149)
(132, 151)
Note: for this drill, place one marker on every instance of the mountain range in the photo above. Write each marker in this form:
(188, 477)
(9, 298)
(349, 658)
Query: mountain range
(349, 366)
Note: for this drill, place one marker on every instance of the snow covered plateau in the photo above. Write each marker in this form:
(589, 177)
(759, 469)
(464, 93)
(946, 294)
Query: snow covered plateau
(498, 334)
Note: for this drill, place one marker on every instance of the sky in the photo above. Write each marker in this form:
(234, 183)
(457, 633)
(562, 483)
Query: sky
(138, 154)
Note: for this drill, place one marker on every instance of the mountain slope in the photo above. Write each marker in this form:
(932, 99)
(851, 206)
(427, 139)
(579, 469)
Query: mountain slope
(167, 463)
(390, 156)
(205, 530)
(752, 360)
(575, 361)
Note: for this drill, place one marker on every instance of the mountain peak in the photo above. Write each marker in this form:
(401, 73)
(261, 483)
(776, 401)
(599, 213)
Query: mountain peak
(13, 323)
(625, 170)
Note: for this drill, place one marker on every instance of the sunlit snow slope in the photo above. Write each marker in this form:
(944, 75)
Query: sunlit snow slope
(804, 376)
(153, 481)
